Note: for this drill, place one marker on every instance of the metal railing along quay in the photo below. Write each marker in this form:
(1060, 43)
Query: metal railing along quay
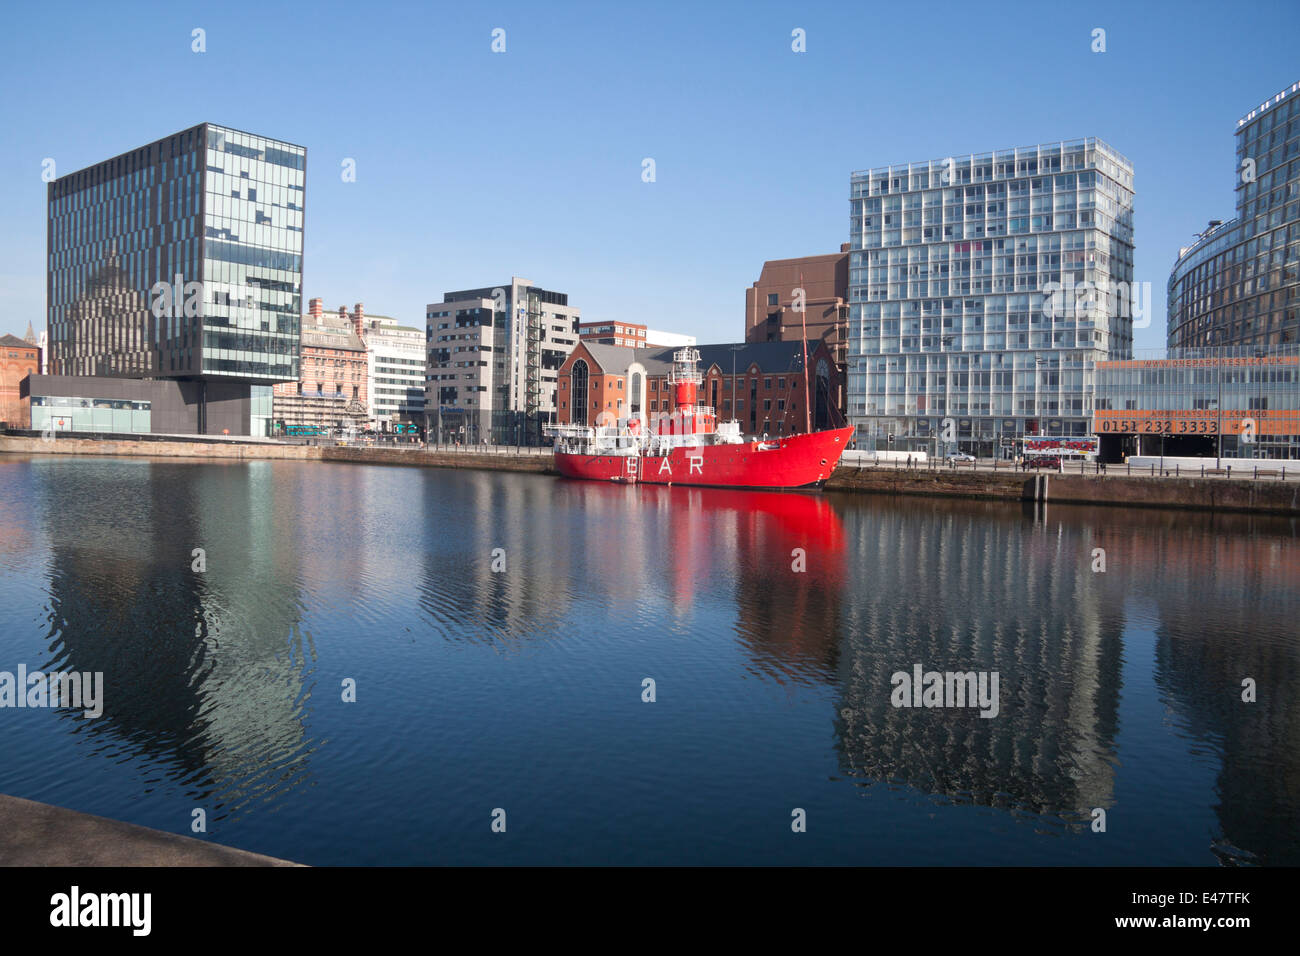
(405, 444)
(1239, 469)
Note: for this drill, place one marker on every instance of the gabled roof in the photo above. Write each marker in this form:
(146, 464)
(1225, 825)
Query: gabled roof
(612, 359)
(13, 341)
(773, 357)
(768, 356)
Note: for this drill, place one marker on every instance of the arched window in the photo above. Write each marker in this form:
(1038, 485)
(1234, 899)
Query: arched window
(822, 408)
(580, 374)
(634, 400)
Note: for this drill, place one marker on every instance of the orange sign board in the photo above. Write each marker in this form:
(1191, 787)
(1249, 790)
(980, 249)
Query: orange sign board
(1194, 422)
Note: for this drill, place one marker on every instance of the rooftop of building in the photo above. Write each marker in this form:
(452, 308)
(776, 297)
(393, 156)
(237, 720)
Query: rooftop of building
(820, 257)
(182, 132)
(1268, 104)
(13, 341)
(332, 339)
(1011, 154)
(485, 292)
(386, 324)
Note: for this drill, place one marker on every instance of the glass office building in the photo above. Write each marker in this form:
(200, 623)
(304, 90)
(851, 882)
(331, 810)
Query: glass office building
(181, 259)
(1239, 284)
(984, 289)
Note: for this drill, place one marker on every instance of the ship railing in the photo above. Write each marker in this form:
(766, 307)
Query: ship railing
(658, 424)
(570, 431)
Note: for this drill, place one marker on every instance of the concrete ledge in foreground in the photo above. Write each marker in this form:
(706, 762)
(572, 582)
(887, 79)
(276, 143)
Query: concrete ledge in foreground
(37, 834)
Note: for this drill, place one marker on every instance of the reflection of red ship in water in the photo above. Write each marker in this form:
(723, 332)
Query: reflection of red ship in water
(789, 556)
(691, 447)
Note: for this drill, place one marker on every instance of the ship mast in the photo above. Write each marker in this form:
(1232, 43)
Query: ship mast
(803, 314)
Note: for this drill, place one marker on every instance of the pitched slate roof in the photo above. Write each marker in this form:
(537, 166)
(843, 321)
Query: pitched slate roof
(770, 357)
(13, 341)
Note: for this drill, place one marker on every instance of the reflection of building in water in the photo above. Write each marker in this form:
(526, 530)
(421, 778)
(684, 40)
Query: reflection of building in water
(18, 522)
(1228, 610)
(204, 672)
(970, 587)
(629, 556)
(516, 514)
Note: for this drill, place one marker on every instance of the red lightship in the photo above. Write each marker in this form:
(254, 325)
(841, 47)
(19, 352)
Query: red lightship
(691, 447)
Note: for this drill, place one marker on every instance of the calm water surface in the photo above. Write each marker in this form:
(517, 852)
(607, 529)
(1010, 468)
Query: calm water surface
(522, 689)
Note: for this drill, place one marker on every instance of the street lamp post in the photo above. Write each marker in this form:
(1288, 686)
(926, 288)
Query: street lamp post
(1217, 334)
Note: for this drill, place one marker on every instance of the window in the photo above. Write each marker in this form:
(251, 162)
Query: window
(580, 378)
(771, 298)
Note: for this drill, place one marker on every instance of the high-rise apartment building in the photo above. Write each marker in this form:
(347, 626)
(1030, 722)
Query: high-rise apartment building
(493, 354)
(181, 260)
(1239, 284)
(983, 289)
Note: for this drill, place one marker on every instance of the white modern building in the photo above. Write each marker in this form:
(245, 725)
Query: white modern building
(632, 335)
(492, 356)
(668, 340)
(983, 290)
(395, 364)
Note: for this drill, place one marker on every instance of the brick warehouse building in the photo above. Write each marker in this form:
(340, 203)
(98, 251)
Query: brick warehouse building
(766, 381)
(18, 359)
(770, 315)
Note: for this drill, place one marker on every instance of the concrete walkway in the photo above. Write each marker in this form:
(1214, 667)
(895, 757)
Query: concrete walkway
(37, 834)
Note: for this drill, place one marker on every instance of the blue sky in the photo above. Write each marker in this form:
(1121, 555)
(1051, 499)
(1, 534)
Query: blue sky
(473, 166)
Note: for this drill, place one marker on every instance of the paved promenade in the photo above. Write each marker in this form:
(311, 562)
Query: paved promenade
(37, 834)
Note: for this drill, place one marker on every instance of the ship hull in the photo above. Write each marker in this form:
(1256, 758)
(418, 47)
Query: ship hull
(795, 461)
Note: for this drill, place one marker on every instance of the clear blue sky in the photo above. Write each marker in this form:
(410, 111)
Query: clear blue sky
(473, 166)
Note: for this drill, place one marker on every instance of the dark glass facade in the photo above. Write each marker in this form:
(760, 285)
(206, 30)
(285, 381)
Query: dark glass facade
(1240, 284)
(180, 259)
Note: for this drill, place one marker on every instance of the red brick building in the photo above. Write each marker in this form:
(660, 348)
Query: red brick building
(764, 390)
(770, 312)
(627, 334)
(18, 359)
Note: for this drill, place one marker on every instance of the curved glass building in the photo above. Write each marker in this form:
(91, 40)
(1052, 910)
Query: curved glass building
(1239, 284)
